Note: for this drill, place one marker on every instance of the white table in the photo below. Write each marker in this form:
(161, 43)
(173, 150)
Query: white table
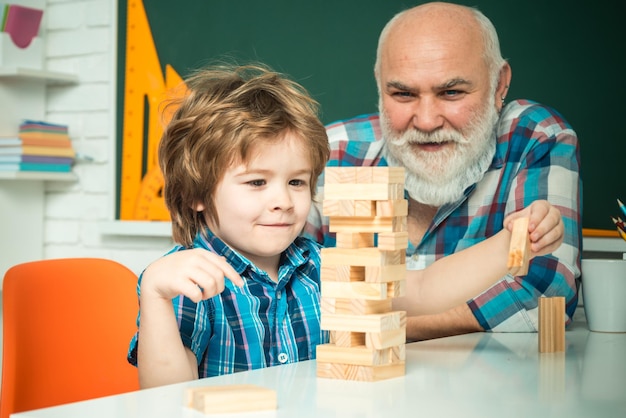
(475, 375)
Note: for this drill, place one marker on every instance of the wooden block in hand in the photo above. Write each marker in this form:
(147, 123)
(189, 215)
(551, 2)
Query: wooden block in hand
(231, 398)
(519, 249)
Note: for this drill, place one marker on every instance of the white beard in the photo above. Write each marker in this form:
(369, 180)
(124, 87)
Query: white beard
(438, 178)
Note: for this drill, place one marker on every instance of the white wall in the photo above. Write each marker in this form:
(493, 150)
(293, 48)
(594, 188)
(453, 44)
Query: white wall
(80, 38)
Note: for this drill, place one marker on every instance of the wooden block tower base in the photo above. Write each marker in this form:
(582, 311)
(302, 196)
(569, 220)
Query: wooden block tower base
(364, 205)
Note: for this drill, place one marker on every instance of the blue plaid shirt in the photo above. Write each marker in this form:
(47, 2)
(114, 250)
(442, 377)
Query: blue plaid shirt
(537, 157)
(263, 324)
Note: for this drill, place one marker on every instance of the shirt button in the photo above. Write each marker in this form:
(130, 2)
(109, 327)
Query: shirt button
(282, 358)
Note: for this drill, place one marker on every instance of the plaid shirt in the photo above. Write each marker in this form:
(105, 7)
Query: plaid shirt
(260, 325)
(537, 157)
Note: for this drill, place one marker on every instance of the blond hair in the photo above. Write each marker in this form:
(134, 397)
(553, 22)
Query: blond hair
(228, 110)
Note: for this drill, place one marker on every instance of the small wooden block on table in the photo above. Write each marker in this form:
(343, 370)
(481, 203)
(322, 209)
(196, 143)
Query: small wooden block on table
(551, 324)
(231, 398)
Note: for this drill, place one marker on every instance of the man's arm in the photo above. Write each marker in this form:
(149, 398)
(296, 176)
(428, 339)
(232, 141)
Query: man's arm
(458, 320)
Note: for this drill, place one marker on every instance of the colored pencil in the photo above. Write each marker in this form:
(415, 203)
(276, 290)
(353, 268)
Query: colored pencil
(619, 223)
(621, 207)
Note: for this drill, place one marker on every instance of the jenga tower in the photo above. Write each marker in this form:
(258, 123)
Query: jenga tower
(365, 205)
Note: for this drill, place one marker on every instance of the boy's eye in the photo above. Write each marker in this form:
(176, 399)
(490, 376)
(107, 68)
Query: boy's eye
(297, 182)
(257, 183)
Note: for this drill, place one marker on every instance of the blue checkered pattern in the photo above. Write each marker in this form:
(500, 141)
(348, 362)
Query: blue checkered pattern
(260, 325)
(537, 157)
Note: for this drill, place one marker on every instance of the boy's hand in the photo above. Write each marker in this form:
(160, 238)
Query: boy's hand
(545, 226)
(195, 273)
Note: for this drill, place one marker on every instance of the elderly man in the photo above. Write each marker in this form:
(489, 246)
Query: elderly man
(470, 160)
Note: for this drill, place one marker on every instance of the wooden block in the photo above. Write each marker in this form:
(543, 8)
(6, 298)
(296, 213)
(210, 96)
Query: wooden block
(360, 355)
(392, 207)
(333, 256)
(370, 191)
(338, 207)
(388, 175)
(367, 224)
(519, 250)
(355, 290)
(333, 175)
(364, 208)
(364, 323)
(332, 273)
(385, 339)
(390, 241)
(551, 324)
(231, 398)
(355, 239)
(354, 306)
(364, 174)
(387, 273)
(360, 373)
(396, 289)
(347, 207)
(347, 338)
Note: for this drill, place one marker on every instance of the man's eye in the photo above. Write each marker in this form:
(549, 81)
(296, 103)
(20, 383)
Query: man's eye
(451, 93)
(401, 94)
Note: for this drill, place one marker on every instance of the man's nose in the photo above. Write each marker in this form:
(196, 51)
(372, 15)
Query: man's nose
(427, 115)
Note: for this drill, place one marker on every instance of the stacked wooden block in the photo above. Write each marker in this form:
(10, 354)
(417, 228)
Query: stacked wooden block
(359, 280)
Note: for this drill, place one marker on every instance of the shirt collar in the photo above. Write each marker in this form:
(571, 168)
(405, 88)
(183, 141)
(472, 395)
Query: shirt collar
(295, 255)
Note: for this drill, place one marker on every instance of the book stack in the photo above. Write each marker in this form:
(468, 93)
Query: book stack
(39, 146)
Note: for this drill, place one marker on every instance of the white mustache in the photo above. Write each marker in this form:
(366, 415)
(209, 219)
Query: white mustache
(416, 137)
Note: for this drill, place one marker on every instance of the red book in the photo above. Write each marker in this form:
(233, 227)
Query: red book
(22, 24)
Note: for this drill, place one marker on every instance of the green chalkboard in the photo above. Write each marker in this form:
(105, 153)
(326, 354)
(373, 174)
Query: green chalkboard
(564, 55)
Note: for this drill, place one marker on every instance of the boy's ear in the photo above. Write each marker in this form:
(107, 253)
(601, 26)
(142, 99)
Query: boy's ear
(198, 206)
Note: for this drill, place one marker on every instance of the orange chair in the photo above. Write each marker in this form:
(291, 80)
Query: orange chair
(67, 326)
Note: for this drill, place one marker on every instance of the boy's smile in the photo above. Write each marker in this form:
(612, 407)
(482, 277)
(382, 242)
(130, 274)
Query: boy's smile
(262, 204)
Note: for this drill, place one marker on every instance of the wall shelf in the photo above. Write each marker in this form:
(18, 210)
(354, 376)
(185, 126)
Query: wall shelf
(49, 77)
(37, 175)
(22, 193)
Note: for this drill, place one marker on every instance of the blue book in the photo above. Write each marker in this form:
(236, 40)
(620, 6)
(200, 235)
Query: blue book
(58, 168)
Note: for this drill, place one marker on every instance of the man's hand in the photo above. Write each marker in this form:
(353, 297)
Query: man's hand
(545, 226)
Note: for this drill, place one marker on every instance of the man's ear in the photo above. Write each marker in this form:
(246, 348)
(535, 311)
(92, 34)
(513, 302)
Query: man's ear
(504, 81)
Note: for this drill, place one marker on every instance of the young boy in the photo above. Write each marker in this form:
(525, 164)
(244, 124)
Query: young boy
(240, 159)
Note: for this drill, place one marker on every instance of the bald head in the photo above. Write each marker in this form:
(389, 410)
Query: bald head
(445, 26)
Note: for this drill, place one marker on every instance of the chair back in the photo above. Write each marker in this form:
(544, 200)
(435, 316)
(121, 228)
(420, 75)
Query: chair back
(67, 324)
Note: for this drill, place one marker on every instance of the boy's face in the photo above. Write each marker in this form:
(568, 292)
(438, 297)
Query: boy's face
(262, 206)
